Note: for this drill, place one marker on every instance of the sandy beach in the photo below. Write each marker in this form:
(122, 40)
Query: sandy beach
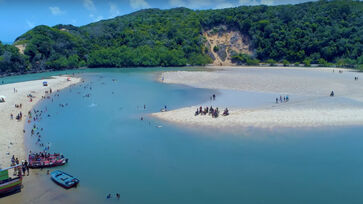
(11, 130)
(309, 106)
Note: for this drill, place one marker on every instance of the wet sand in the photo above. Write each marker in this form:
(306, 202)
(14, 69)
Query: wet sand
(39, 189)
(311, 105)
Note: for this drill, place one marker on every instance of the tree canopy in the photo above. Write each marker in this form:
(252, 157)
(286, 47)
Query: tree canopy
(319, 32)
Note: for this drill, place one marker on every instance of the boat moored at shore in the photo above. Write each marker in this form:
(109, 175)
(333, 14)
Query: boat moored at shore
(9, 185)
(45, 160)
(63, 179)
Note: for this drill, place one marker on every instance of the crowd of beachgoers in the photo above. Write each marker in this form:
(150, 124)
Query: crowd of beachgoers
(33, 116)
(36, 131)
(214, 112)
(24, 168)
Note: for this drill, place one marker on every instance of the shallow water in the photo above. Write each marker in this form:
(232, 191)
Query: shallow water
(111, 150)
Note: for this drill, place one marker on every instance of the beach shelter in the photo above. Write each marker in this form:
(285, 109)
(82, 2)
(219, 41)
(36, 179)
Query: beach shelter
(45, 83)
(2, 99)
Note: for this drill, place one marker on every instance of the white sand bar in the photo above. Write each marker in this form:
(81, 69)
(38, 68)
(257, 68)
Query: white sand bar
(311, 107)
(11, 131)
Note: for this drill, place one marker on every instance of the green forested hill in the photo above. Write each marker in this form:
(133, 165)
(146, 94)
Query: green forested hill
(316, 32)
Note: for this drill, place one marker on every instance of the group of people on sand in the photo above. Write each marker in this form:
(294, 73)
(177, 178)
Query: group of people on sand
(19, 105)
(24, 165)
(282, 99)
(214, 112)
(18, 117)
(30, 96)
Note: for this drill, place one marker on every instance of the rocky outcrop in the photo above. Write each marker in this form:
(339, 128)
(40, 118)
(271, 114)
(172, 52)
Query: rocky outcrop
(223, 42)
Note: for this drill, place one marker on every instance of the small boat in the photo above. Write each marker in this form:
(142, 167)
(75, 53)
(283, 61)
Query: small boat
(10, 185)
(46, 160)
(63, 179)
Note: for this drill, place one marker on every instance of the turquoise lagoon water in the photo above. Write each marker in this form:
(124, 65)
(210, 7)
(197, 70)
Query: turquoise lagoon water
(150, 161)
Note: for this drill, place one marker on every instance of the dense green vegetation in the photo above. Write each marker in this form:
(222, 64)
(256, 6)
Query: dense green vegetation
(11, 60)
(314, 32)
(322, 32)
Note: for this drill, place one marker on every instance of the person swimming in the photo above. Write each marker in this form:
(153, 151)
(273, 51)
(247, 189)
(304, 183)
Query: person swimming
(226, 112)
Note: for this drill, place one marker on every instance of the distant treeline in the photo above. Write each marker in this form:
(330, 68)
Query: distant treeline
(322, 32)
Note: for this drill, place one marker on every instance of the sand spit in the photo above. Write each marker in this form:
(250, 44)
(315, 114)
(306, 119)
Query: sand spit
(268, 118)
(312, 106)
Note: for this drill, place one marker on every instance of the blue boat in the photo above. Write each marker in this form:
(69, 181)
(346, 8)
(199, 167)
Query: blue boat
(63, 179)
